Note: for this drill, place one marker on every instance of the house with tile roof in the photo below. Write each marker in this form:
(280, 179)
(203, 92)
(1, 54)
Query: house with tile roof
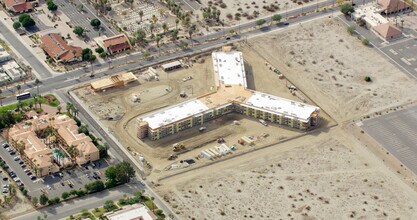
(18, 6)
(387, 31)
(56, 47)
(393, 6)
(114, 44)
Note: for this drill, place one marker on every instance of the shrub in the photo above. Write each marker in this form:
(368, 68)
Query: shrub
(347, 9)
(16, 25)
(99, 50)
(368, 79)
(365, 42)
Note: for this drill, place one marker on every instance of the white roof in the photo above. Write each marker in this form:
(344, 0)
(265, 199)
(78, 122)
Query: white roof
(278, 105)
(174, 113)
(134, 213)
(230, 68)
(172, 64)
(371, 14)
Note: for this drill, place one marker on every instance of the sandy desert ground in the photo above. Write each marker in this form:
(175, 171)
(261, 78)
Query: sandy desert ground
(324, 177)
(328, 64)
(248, 7)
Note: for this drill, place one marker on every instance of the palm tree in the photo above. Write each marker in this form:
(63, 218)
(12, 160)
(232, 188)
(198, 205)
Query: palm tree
(165, 27)
(37, 82)
(18, 87)
(69, 107)
(152, 28)
(35, 100)
(141, 15)
(190, 32)
(158, 38)
(19, 106)
(1, 97)
(75, 111)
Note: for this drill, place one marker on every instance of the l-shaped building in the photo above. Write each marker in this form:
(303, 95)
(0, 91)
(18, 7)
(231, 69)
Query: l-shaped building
(232, 95)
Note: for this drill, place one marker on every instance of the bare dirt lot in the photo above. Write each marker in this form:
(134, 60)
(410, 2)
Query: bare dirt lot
(329, 65)
(318, 177)
(249, 9)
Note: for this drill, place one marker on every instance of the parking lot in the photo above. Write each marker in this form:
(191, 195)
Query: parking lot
(404, 53)
(53, 185)
(82, 18)
(396, 133)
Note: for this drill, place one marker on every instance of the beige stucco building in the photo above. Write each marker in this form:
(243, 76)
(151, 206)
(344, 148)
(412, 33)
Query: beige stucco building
(46, 155)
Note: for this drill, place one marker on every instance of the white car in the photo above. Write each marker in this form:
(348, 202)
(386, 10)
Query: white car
(49, 187)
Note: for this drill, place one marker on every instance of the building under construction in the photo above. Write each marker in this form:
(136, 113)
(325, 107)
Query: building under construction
(232, 96)
(117, 80)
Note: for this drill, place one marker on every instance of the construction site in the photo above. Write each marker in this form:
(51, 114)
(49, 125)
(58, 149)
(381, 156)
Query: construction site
(320, 173)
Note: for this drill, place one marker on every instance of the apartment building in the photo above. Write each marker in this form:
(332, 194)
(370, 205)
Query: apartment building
(33, 150)
(46, 154)
(232, 96)
(66, 132)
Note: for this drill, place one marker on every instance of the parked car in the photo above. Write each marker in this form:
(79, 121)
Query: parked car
(26, 170)
(5, 145)
(29, 173)
(5, 191)
(23, 166)
(12, 152)
(5, 178)
(32, 177)
(16, 158)
(21, 162)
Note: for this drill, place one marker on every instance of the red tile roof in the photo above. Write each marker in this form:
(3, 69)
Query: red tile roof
(393, 5)
(56, 47)
(387, 30)
(18, 5)
(115, 40)
(118, 47)
(23, 7)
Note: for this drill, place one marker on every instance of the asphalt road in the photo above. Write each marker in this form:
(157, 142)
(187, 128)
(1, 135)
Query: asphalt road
(83, 18)
(396, 132)
(19, 46)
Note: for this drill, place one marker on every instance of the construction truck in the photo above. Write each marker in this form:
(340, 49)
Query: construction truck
(178, 147)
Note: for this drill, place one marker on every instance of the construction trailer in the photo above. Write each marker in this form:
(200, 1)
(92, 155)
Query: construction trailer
(171, 66)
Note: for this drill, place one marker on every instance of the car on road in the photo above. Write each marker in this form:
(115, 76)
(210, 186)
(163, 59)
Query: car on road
(286, 23)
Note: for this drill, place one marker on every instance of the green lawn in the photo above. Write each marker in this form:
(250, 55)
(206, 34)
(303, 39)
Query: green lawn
(151, 206)
(100, 212)
(79, 216)
(51, 100)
